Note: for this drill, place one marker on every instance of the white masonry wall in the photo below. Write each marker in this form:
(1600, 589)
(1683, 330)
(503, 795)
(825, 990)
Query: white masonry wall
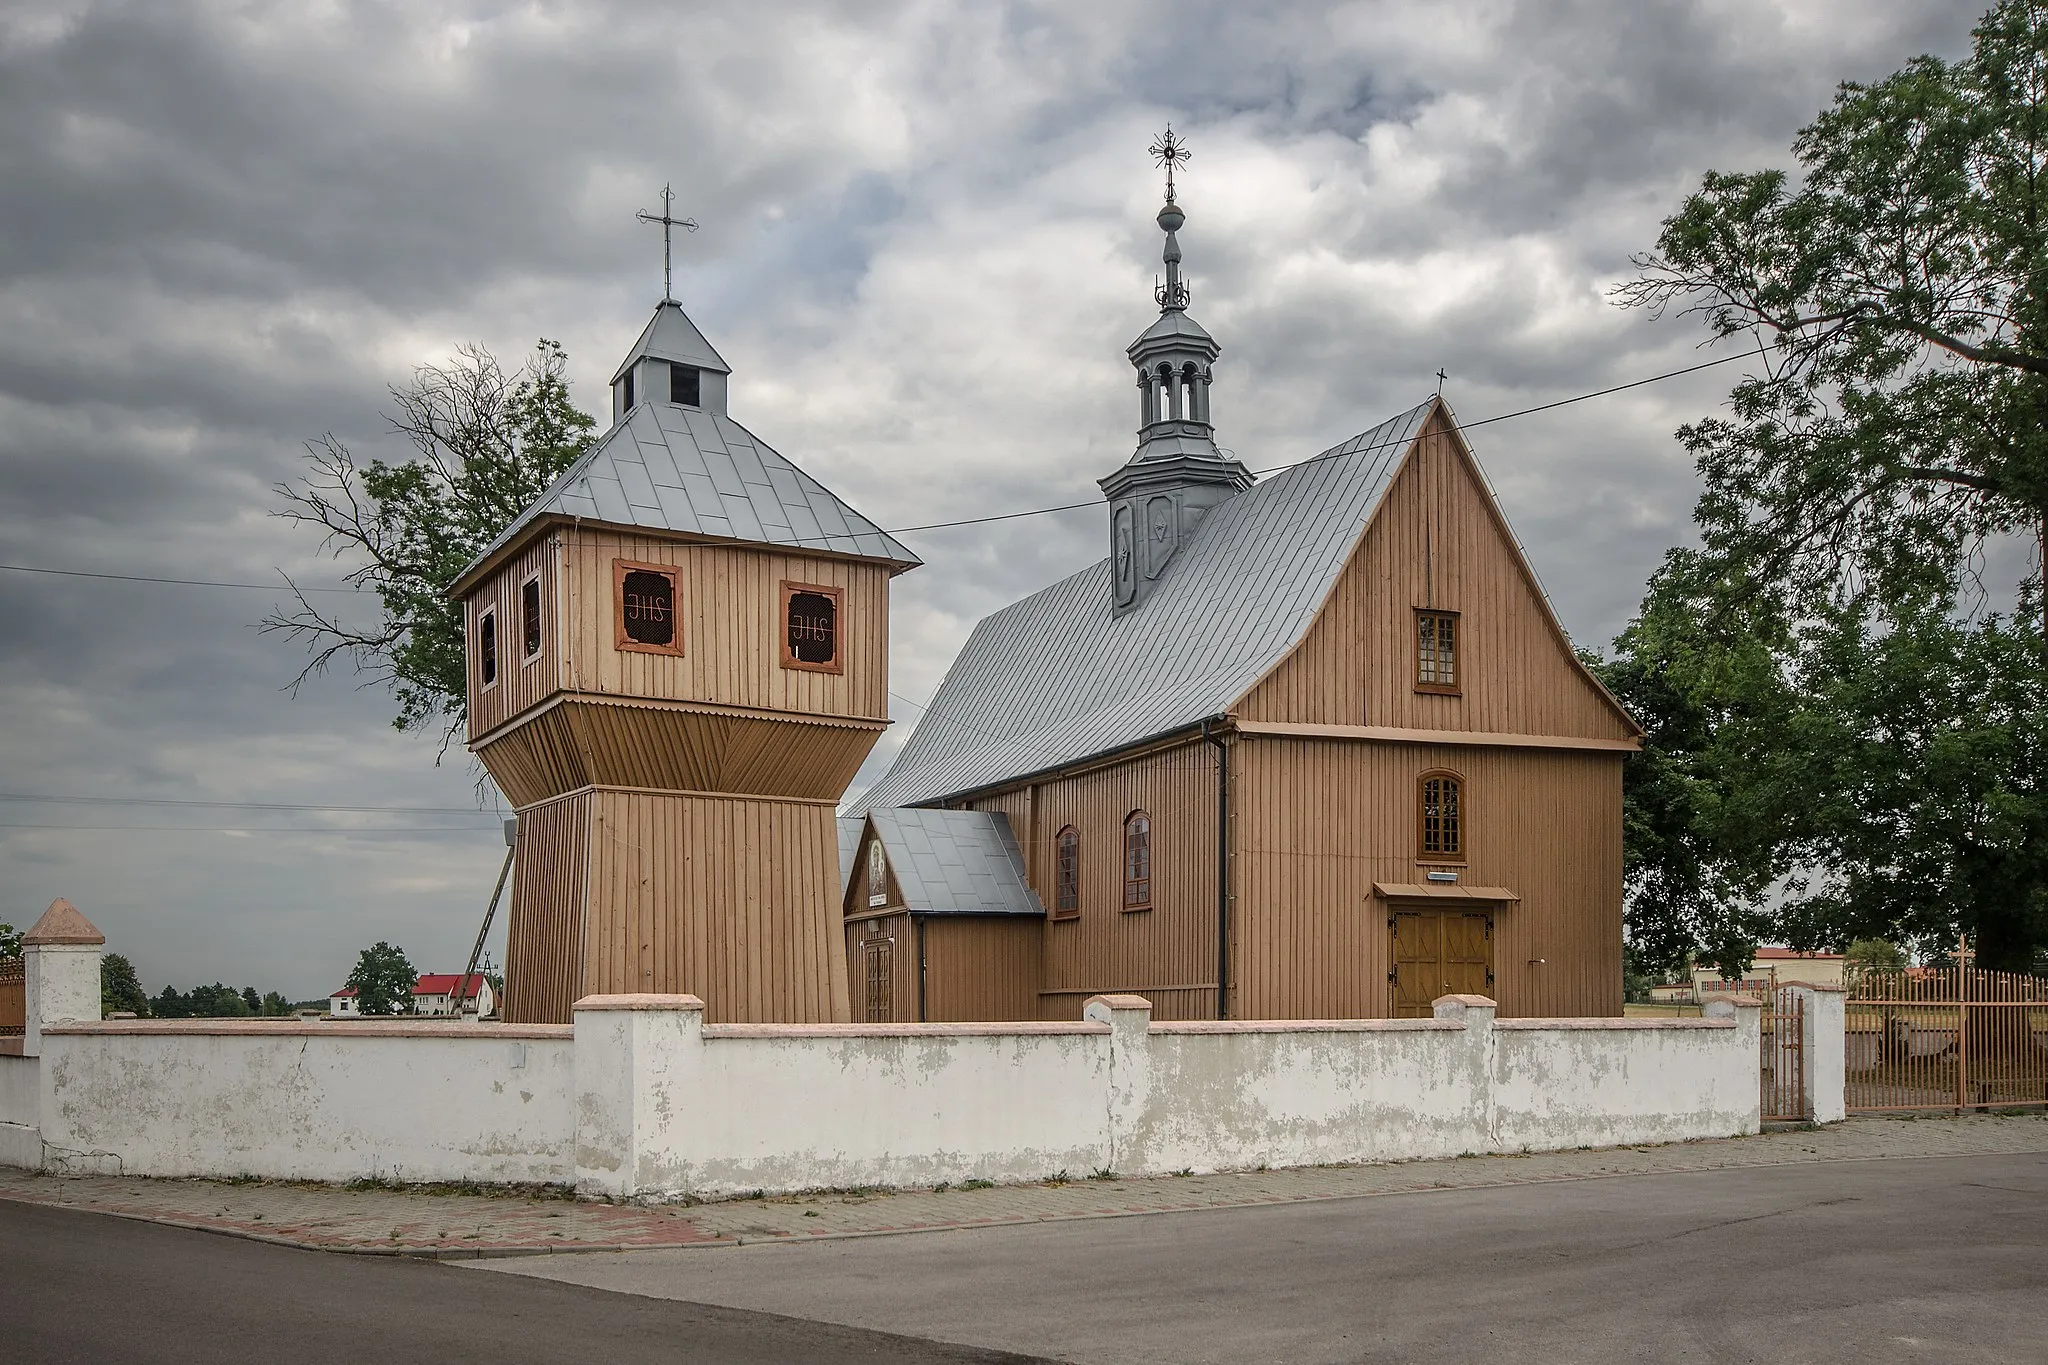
(340, 1101)
(640, 1099)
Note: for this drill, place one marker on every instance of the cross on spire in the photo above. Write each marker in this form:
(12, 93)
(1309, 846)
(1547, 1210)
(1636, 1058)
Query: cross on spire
(1169, 151)
(667, 221)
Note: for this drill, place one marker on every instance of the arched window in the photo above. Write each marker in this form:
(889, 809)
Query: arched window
(1137, 861)
(1066, 900)
(1440, 817)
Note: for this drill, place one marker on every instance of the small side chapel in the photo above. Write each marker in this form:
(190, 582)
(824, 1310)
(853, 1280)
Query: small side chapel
(1312, 747)
(678, 659)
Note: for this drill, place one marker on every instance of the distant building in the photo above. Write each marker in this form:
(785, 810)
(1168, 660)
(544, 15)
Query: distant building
(1773, 966)
(432, 994)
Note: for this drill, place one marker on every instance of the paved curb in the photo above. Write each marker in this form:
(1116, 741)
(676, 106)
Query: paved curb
(396, 1223)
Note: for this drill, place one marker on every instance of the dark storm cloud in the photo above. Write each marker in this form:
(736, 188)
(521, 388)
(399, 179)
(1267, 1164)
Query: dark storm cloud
(926, 239)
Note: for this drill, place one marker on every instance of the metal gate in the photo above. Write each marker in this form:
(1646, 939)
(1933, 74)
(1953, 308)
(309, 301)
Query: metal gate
(1782, 1070)
(1954, 1038)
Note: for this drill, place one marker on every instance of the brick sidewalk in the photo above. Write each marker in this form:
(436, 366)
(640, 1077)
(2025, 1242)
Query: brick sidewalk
(430, 1223)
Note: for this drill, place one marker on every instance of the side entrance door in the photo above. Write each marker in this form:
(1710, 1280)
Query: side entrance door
(878, 981)
(1437, 953)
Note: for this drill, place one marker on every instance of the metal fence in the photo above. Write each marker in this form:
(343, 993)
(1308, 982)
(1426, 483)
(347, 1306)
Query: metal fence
(1945, 1038)
(13, 998)
(1783, 1069)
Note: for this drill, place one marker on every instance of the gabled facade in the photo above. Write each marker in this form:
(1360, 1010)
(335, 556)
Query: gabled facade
(1334, 759)
(678, 658)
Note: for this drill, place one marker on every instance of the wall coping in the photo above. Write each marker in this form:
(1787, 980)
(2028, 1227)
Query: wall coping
(1539, 1025)
(293, 1028)
(1310, 1026)
(591, 1004)
(1026, 1027)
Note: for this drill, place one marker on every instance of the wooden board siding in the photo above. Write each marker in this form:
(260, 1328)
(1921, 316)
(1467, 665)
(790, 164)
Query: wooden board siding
(1319, 822)
(982, 967)
(728, 609)
(578, 742)
(1167, 953)
(1437, 540)
(731, 899)
(897, 931)
(522, 683)
(544, 935)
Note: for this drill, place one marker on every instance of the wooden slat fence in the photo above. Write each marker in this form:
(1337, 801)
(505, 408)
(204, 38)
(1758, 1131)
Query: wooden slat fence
(1956, 1038)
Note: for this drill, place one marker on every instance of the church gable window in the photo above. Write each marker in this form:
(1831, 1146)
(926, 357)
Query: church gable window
(1436, 652)
(1138, 861)
(1067, 891)
(647, 603)
(810, 627)
(1440, 818)
(529, 618)
(487, 647)
(685, 385)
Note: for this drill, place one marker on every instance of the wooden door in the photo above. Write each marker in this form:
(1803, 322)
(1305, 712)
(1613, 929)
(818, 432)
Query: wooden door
(878, 981)
(1438, 953)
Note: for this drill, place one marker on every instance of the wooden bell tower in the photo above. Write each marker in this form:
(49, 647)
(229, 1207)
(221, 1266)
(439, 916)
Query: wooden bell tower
(678, 659)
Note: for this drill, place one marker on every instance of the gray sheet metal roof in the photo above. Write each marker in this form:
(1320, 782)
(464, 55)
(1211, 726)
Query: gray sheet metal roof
(956, 862)
(1055, 678)
(670, 335)
(850, 827)
(672, 468)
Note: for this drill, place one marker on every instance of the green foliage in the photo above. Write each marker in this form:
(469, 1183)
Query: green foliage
(120, 987)
(1843, 740)
(488, 444)
(1876, 955)
(383, 980)
(10, 941)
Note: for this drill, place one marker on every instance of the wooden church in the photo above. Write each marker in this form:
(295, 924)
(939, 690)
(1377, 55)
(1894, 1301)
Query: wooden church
(678, 659)
(1312, 747)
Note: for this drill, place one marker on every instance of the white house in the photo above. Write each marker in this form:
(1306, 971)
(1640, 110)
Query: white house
(432, 994)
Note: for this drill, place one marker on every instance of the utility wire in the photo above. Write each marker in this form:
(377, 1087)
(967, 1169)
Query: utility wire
(260, 829)
(925, 526)
(237, 805)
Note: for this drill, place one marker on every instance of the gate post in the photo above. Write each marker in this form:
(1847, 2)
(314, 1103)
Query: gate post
(62, 973)
(1824, 1040)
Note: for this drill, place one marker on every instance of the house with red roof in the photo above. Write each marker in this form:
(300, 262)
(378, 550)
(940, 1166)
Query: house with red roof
(433, 994)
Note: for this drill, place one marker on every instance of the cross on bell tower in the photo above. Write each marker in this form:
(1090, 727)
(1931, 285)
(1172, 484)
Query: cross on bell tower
(667, 221)
(1177, 475)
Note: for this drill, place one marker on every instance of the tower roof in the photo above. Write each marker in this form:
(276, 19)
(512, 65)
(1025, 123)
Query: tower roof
(670, 335)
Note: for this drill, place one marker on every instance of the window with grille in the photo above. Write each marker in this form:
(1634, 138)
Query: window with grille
(1067, 892)
(487, 647)
(1441, 817)
(1138, 861)
(529, 616)
(1436, 651)
(647, 608)
(810, 627)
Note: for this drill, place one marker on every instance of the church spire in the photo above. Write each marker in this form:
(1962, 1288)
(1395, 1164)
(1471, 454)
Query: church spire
(1177, 474)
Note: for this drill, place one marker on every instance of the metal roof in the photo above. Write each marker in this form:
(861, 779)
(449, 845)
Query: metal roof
(1056, 678)
(955, 862)
(672, 468)
(670, 335)
(850, 827)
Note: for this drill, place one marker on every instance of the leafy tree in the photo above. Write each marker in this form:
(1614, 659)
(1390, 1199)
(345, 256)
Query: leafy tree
(1844, 740)
(251, 1000)
(488, 444)
(10, 941)
(383, 980)
(275, 1005)
(170, 1004)
(1876, 955)
(120, 988)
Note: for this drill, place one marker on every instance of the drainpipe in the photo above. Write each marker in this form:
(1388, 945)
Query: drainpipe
(1222, 864)
(918, 920)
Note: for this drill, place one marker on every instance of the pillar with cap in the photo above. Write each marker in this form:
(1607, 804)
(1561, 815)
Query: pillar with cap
(62, 972)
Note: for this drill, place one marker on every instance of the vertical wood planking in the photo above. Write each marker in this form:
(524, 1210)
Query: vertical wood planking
(982, 967)
(545, 930)
(522, 683)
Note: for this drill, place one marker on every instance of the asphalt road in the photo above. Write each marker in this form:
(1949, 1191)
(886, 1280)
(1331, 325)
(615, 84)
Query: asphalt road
(90, 1289)
(1934, 1259)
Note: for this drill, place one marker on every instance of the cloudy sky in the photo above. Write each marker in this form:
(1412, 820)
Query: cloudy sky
(227, 227)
